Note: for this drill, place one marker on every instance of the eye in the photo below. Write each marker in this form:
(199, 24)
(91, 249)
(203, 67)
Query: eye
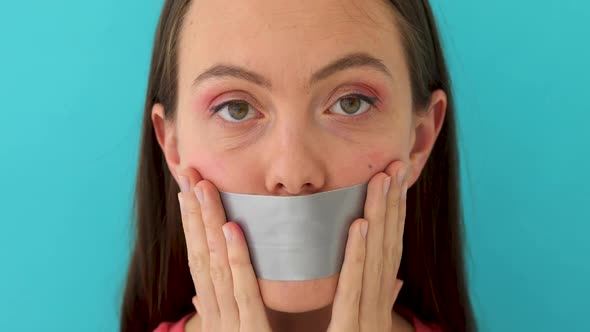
(234, 111)
(353, 104)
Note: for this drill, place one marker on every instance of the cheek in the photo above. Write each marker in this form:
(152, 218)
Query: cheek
(364, 165)
(375, 153)
(375, 159)
(209, 166)
(225, 171)
(379, 159)
(354, 167)
(384, 150)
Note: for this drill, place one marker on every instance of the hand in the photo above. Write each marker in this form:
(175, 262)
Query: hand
(367, 286)
(228, 297)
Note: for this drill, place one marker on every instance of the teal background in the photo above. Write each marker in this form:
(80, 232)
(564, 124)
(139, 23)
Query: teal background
(72, 81)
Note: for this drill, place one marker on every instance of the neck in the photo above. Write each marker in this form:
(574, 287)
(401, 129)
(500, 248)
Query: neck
(309, 321)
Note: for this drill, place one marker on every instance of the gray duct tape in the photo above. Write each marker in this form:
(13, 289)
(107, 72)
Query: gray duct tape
(296, 237)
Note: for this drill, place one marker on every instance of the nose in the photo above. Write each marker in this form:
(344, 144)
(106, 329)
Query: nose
(295, 165)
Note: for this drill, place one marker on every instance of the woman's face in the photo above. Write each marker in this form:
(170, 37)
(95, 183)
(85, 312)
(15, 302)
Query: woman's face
(291, 98)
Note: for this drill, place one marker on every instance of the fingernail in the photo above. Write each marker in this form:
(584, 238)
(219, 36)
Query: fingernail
(364, 226)
(386, 184)
(227, 233)
(404, 190)
(199, 194)
(184, 184)
(401, 174)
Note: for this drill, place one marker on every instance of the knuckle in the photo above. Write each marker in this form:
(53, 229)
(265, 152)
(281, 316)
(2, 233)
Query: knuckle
(244, 298)
(375, 268)
(369, 317)
(350, 295)
(219, 273)
(198, 262)
(212, 246)
(394, 203)
(389, 253)
(378, 221)
(237, 262)
(192, 209)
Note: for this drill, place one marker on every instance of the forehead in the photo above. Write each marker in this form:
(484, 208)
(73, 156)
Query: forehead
(286, 40)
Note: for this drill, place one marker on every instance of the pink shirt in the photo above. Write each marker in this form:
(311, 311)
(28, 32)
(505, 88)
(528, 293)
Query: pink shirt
(418, 325)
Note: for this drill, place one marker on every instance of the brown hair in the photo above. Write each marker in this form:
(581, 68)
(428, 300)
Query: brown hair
(159, 286)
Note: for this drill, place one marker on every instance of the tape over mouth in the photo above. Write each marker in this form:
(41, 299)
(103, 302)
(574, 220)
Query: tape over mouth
(296, 237)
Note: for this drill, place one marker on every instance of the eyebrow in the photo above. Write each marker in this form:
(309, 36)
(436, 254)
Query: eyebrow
(352, 60)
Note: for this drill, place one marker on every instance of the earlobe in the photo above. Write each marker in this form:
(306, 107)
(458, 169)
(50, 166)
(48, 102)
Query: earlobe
(427, 126)
(165, 132)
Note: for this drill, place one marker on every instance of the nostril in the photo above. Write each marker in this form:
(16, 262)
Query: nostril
(306, 189)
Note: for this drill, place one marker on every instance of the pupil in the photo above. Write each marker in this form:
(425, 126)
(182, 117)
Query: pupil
(350, 105)
(238, 111)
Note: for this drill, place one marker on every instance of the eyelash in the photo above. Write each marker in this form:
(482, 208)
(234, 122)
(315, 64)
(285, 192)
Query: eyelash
(371, 100)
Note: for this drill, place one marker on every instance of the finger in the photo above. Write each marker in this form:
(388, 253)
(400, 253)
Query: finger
(345, 309)
(372, 275)
(213, 218)
(392, 243)
(246, 292)
(195, 301)
(198, 252)
(187, 178)
(402, 213)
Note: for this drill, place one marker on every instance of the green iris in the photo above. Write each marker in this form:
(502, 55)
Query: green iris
(350, 105)
(238, 110)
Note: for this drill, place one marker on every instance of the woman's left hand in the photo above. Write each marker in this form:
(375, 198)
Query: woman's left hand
(367, 286)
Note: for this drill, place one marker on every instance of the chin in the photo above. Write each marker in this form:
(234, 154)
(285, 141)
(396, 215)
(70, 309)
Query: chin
(298, 296)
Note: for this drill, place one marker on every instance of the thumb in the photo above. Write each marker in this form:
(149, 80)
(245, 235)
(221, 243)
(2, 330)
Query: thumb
(196, 303)
(397, 288)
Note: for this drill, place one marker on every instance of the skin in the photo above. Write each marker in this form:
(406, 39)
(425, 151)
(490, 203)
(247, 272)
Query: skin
(296, 139)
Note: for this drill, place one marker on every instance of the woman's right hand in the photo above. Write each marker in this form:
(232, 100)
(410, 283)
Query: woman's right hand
(228, 297)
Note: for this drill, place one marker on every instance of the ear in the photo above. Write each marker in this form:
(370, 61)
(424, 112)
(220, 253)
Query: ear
(165, 132)
(426, 127)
